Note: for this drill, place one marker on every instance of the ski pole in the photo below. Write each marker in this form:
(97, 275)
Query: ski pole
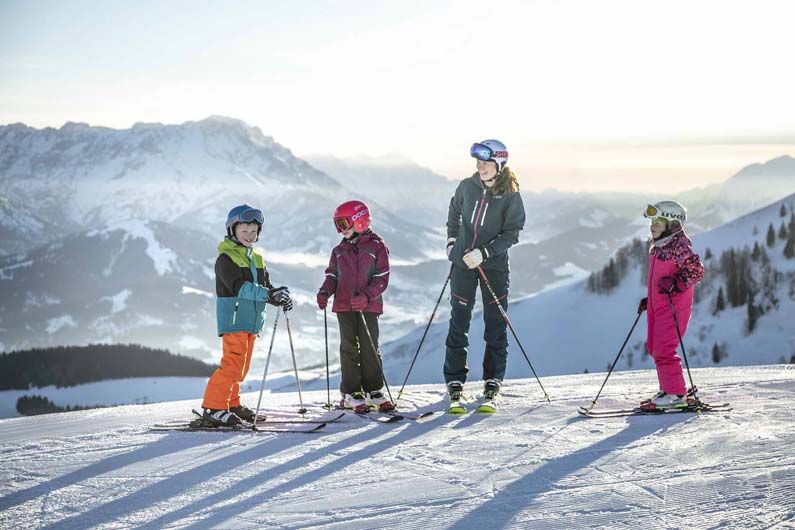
(328, 383)
(265, 372)
(508, 321)
(684, 353)
(302, 410)
(419, 346)
(377, 355)
(593, 403)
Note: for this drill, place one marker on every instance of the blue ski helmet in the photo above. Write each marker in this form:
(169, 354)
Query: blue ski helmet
(243, 214)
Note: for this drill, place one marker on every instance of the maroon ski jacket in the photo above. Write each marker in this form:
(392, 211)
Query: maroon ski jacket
(359, 264)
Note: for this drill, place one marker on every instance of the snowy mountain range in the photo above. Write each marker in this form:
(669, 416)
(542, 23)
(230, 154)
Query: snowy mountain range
(545, 322)
(187, 175)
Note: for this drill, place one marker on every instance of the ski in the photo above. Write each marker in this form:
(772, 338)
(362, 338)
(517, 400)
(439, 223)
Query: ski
(378, 417)
(381, 417)
(412, 417)
(195, 426)
(637, 411)
(333, 419)
(278, 420)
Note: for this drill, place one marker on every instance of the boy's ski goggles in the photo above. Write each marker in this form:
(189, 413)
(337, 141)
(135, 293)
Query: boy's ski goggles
(343, 224)
(251, 216)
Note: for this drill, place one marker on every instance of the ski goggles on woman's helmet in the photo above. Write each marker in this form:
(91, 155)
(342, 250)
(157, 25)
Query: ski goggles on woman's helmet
(481, 152)
(343, 223)
(251, 216)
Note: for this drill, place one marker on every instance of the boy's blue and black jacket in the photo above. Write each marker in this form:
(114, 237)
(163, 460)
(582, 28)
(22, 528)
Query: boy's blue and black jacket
(241, 284)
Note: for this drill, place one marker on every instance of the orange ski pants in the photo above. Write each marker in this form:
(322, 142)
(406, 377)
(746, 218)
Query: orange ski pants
(223, 388)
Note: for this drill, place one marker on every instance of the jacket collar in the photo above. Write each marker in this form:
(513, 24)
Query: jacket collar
(667, 240)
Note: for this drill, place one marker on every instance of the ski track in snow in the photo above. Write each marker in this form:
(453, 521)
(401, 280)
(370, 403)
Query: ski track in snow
(531, 465)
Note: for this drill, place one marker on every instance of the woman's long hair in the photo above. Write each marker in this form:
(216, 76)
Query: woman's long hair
(506, 182)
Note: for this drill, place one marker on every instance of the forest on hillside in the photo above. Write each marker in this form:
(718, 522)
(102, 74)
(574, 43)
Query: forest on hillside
(65, 366)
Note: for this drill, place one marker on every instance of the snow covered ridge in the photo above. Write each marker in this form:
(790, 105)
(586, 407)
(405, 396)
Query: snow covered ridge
(84, 177)
(573, 329)
(530, 466)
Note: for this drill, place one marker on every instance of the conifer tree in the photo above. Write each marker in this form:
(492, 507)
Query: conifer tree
(789, 248)
(771, 236)
(757, 252)
(715, 353)
(720, 303)
(753, 314)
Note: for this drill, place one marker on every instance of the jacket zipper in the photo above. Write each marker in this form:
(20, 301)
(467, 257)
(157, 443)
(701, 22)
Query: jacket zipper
(477, 218)
(234, 314)
(651, 277)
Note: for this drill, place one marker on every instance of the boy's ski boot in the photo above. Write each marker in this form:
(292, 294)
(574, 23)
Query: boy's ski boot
(219, 418)
(355, 401)
(246, 414)
(490, 390)
(378, 401)
(663, 400)
(456, 390)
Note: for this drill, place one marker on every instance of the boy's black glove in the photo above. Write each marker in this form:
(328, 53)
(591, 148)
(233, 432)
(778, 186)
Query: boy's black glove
(642, 305)
(280, 296)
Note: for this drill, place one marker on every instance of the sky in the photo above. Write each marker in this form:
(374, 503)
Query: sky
(617, 95)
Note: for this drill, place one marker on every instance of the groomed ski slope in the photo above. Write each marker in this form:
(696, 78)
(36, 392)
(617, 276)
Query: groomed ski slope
(531, 465)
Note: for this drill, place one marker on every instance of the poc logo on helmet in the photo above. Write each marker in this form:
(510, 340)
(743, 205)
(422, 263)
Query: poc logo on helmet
(359, 215)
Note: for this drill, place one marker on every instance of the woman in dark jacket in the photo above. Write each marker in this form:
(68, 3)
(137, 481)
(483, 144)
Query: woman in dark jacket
(485, 217)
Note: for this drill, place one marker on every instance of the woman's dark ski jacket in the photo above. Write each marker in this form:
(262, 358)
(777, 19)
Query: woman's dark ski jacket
(479, 219)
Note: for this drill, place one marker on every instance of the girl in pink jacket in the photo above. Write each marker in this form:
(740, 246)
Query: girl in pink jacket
(674, 270)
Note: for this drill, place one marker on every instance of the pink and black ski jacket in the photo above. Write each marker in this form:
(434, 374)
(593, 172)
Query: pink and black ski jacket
(358, 265)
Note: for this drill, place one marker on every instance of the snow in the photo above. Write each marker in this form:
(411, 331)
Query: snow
(164, 259)
(55, 324)
(298, 258)
(569, 269)
(193, 290)
(6, 273)
(531, 465)
(190, 342)
(119, 300)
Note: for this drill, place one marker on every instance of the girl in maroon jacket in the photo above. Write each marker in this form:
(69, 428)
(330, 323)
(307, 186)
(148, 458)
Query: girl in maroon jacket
(357, 276)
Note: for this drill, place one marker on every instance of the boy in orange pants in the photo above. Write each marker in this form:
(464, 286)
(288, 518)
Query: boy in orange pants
(243, 288)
